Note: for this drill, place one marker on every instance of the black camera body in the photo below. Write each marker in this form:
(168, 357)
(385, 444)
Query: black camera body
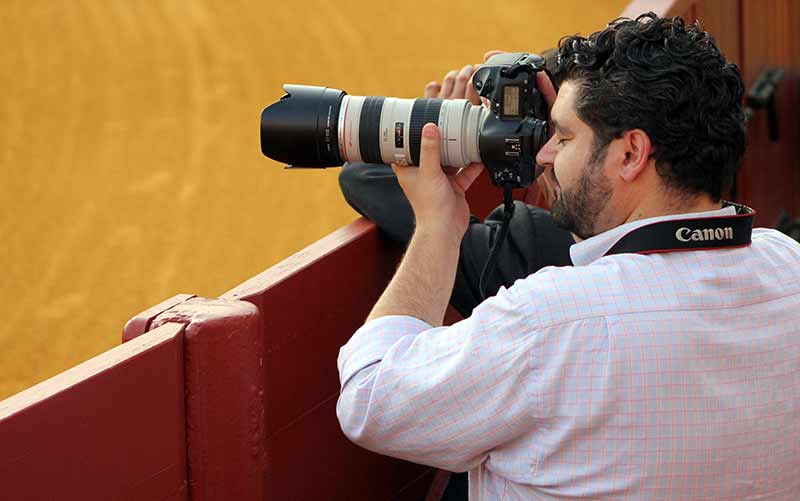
(516, 128)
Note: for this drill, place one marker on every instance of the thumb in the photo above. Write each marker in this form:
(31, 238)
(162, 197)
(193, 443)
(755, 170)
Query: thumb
(545, 86)
(430, 152)
(467, 176)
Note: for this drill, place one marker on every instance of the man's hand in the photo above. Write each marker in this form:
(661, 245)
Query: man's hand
(425, 277)
(438, 200)
(457, 84)
(437, 196)
(423, 282)
(545, 86)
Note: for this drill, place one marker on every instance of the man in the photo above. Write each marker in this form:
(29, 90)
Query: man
(664, 364)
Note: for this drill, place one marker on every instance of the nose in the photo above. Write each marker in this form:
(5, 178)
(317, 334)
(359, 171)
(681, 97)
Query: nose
(547, 154)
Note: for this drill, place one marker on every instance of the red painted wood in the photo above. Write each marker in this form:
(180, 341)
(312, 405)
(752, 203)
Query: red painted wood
(310, 306)
(770, 175)
(225, 418)
(483, 196)
(756, 34)
(109, 428)
(140, 324)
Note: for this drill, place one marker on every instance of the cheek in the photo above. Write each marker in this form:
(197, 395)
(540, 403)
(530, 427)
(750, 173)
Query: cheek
(570, 163)
(564, 168)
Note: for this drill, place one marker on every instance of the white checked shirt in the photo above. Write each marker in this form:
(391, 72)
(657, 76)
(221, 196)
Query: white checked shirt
(661, 376)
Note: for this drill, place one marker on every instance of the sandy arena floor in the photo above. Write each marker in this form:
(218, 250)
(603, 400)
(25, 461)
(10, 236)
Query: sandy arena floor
(131, 169)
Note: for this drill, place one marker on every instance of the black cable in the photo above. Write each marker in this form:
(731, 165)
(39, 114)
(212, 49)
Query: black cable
(508, 213)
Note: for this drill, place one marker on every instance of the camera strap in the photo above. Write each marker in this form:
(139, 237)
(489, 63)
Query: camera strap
(717, 232)
(508, 213)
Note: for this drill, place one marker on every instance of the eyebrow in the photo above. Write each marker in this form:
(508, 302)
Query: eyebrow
(560, 128)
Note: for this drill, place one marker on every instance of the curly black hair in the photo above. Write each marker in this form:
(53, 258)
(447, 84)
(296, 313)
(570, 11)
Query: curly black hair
(670, 80)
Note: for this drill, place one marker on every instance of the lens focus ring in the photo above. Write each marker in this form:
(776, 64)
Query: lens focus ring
(425, 111)
(369, 129)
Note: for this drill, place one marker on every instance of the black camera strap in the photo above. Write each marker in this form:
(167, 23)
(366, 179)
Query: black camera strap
(685, 234)
(508, 213)
(716, 232)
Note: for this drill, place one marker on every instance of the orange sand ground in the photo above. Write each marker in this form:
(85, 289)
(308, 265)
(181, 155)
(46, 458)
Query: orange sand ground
(129, 153)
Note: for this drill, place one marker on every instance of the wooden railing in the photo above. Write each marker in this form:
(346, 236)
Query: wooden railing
(109, 428)
(234, 398)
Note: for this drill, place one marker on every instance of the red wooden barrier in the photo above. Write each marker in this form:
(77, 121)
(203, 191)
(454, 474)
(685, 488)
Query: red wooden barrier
(109, 428)
(261, 379)
(224, 369)
(311, 304)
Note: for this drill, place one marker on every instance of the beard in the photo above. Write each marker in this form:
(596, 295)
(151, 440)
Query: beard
(577, 210)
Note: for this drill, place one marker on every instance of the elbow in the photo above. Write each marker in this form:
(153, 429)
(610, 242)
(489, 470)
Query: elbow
(354, 422)
(355, 411)
(360, 421)
(369, 432)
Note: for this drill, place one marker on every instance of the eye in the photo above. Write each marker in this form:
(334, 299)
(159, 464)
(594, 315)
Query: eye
(562, 142)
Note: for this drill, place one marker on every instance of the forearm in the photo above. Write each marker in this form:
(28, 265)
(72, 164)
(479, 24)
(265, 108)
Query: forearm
(423, 282)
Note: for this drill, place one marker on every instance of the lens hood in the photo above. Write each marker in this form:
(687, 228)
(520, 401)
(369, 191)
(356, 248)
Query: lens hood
(301, 128)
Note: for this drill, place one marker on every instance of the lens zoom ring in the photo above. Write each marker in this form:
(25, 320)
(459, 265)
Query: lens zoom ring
(424, 111)
(369, 129)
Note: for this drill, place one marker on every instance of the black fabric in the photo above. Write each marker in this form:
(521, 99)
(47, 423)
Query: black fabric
(534, 239)
(690, 233)
(457, 488)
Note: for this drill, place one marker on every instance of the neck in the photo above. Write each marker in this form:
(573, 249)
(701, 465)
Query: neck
(653, 207)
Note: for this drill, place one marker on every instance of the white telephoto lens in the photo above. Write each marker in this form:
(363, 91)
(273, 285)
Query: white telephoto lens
(459, 125)
(349, 119)
(375, 129)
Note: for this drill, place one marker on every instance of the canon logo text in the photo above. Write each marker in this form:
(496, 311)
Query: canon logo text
(685, 234)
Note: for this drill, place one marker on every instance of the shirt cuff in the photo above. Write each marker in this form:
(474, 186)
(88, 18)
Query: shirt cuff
(371, 342)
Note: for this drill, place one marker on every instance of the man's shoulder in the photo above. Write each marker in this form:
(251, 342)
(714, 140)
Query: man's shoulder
(678, 281)
(562, 294)
(775, 238)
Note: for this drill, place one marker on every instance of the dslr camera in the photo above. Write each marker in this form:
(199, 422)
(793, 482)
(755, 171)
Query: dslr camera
(313, 127)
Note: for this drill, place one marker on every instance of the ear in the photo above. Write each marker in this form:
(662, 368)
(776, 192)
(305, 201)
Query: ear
(637, 150)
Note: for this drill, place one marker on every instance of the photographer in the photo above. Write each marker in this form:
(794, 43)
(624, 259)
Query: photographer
(664, 364)
(534, 240)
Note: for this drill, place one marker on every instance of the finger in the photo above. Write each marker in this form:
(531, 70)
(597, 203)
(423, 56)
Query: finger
(447, 84)
(472, 95)
(545, 86)
(403, 169)
(460, 87)
(404, 175)
(432, 89)
(450, 171)
(430, 166)
(467, 176)
(493, 53)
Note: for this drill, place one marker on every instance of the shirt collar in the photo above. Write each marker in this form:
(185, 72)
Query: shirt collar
(591, 249)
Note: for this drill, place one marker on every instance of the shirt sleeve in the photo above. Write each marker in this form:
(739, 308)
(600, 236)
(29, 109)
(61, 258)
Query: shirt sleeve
(439, 396)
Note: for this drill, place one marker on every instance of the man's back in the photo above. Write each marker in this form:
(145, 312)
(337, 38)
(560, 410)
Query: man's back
(670, 375)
